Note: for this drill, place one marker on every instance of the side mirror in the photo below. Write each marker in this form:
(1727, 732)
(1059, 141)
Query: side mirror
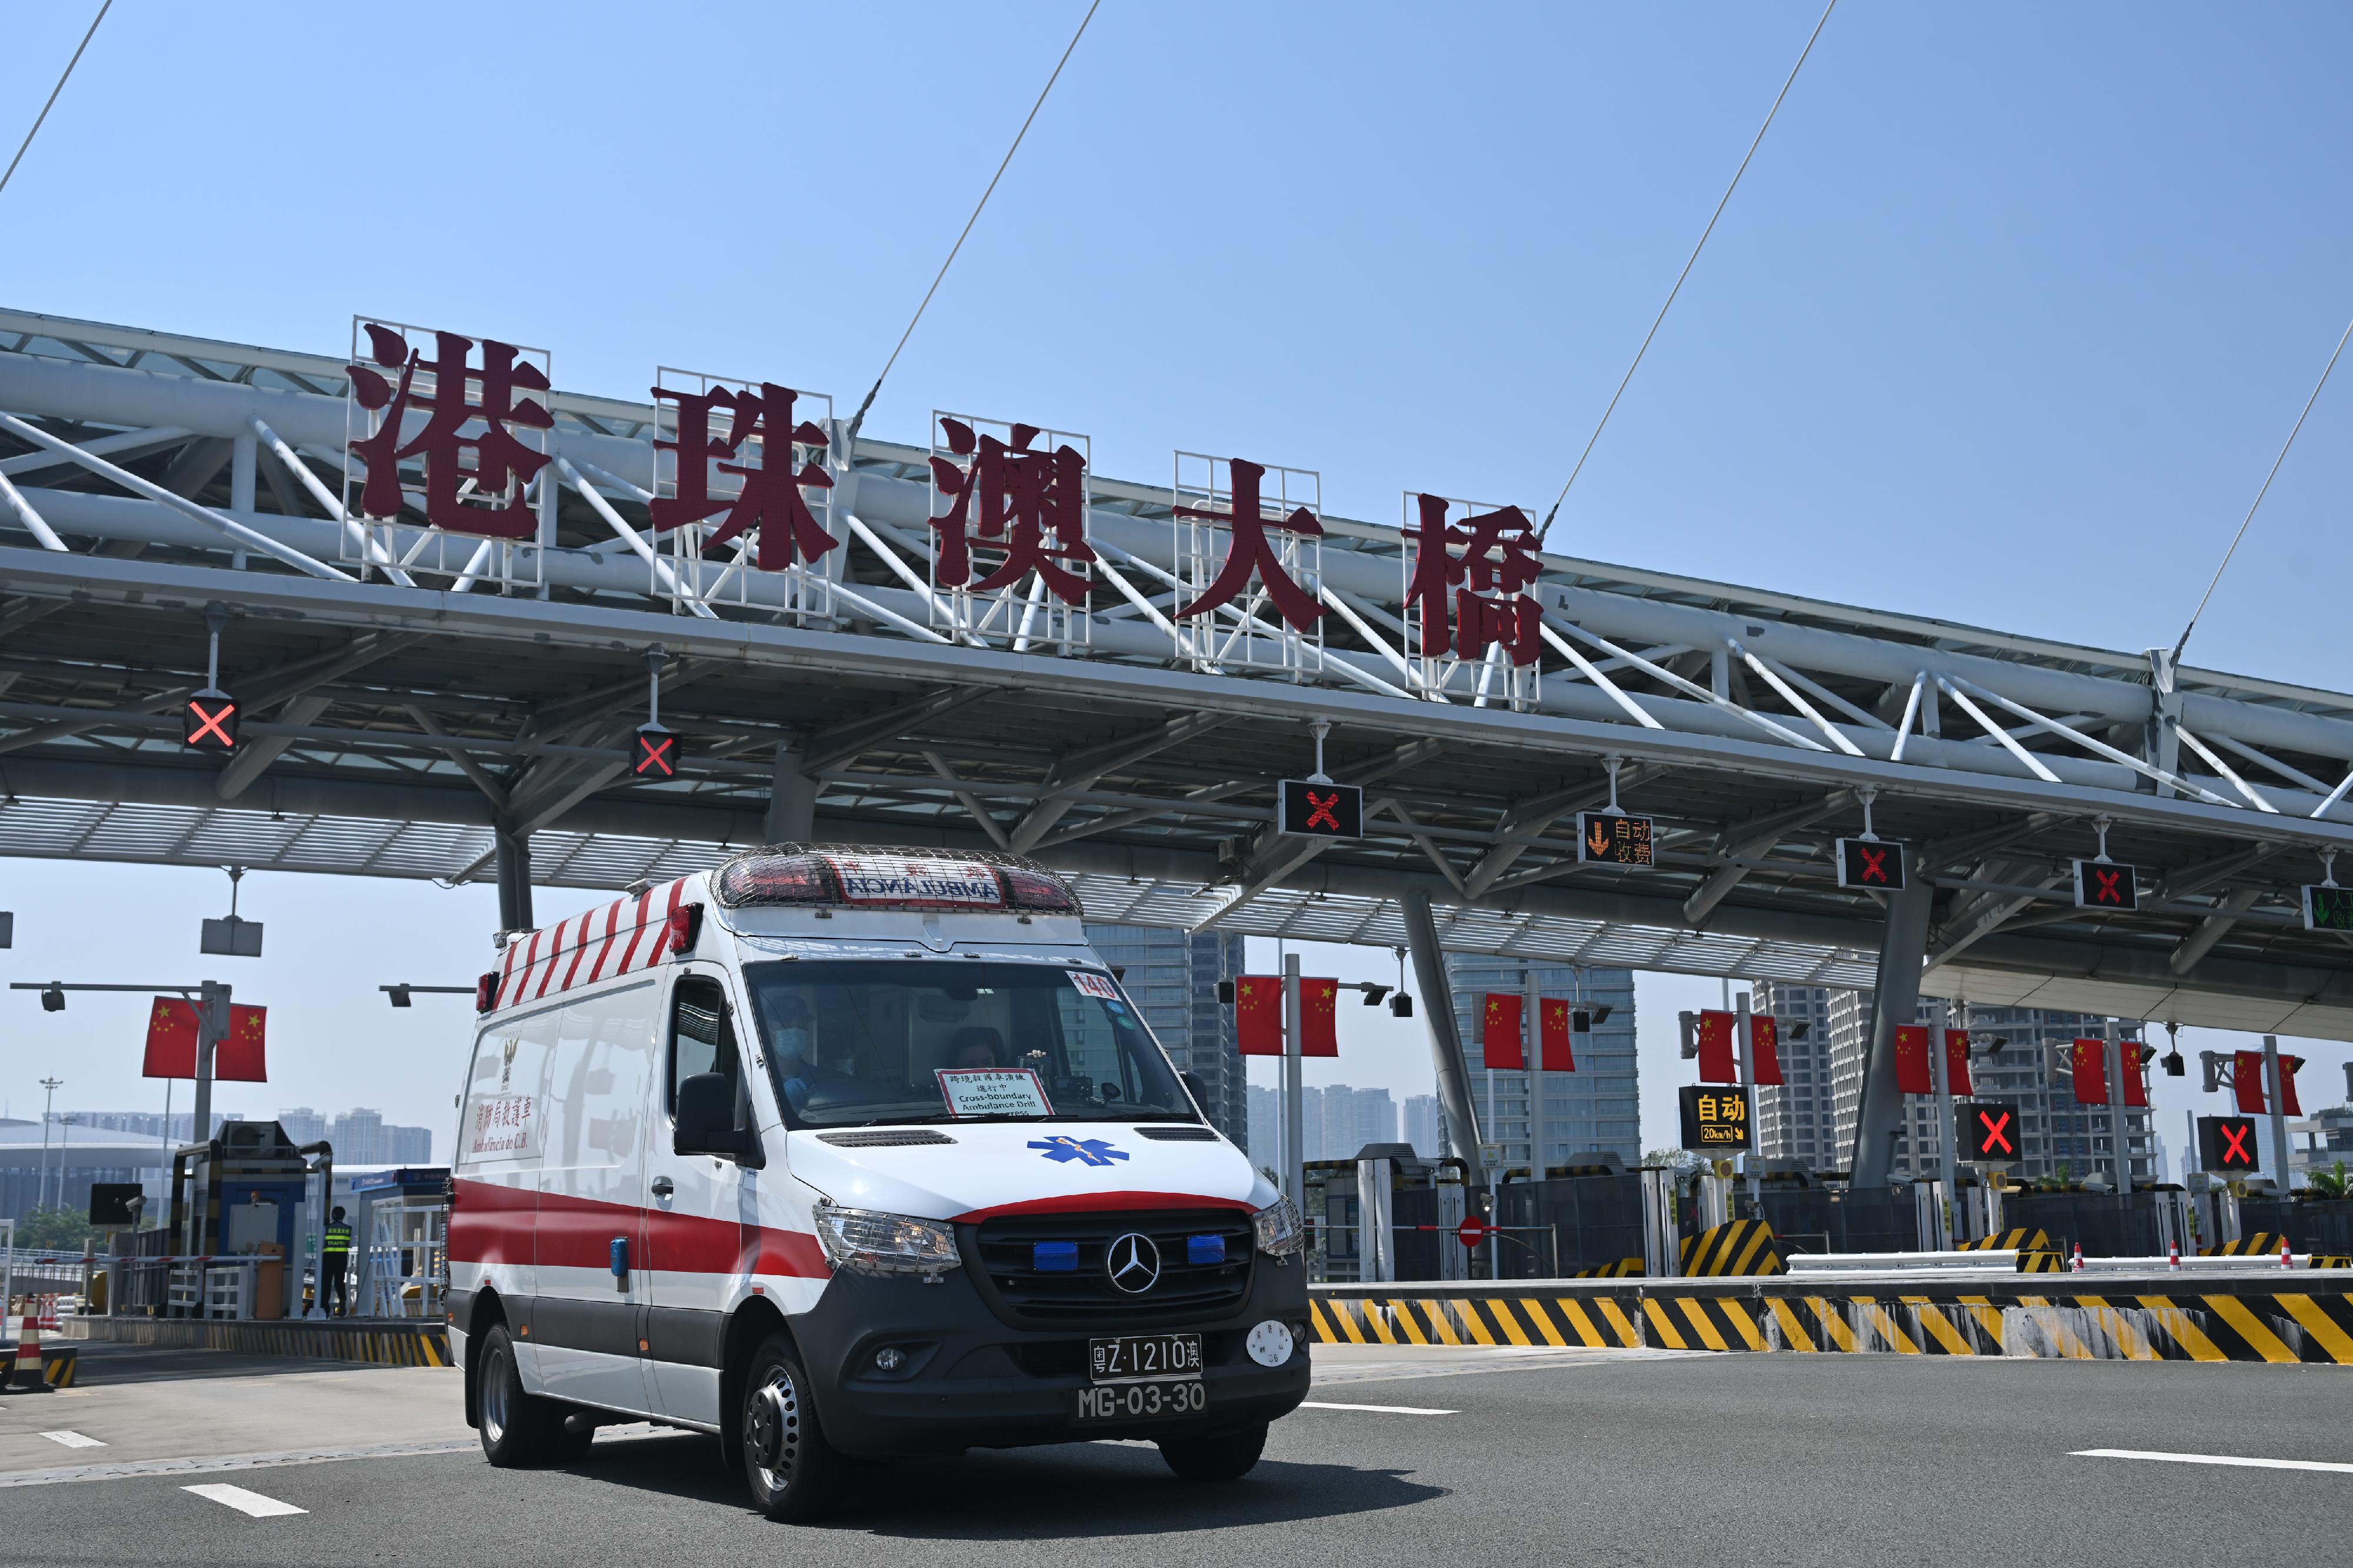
(705, 1123)
(1193, 1087)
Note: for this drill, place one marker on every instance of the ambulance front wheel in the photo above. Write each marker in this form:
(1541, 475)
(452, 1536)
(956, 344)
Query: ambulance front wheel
(1220, 1457)
(793, 1472)
(518, 1428)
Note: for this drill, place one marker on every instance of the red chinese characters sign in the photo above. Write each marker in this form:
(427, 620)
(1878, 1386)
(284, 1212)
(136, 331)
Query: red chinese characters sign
(1013, 528)
(474, 465)
(1267, 542)
(741, 454)
(1478, 564)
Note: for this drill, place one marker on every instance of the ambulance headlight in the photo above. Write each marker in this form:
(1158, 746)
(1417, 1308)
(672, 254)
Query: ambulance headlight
(867, 1242)
(1278, 1234)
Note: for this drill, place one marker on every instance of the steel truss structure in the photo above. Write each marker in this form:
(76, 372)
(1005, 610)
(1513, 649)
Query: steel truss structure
(404, 719)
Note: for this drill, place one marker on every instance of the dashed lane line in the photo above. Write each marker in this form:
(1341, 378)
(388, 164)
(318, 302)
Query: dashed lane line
(243, 1502)
(73, 1440)
(2240, 1460)
(1377, 1409)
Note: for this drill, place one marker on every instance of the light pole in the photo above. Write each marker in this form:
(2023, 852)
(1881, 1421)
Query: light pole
(48, 1098)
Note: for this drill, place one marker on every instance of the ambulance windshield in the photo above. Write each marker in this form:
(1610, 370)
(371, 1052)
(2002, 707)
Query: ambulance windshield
(857, 1043)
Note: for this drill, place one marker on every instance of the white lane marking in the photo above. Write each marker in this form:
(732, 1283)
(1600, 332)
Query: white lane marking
(1377, 1409)
(243, 1502)
(2328, 1465)
(203, 1466)
(73, 1440)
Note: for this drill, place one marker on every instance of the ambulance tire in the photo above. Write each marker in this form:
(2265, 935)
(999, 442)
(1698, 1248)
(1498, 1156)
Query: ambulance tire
(795, 1474)
(1219, 1457)
(518, 1428)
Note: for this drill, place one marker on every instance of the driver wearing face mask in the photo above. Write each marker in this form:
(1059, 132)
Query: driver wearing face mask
(795, 1045)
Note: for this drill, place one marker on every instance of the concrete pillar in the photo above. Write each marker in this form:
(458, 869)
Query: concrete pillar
(1445, 1039)
(1896, 1000)
(792, 798)
(514, 881)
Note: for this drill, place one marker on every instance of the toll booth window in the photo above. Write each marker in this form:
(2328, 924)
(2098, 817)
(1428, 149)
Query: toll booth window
(701, 1034)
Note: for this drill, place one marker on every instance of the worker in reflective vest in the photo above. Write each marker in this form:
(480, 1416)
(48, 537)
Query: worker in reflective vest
(335, 1262)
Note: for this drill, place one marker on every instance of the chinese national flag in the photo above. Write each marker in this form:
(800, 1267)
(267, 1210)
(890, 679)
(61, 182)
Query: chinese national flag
(1319, 1018)
(1499, 1032)
(1765, 1041)
(1715, 1048)
(2091, 1072)
(238, 1059)
(2288, 1106)
(2136, 1087)
(1956, 1061)
(1258, 1014)
(1914, 1073)
(2247, 1078)
(171, 1038)
(1554, 1053)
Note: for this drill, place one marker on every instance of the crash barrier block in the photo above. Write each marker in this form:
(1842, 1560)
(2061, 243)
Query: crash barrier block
(57, 1363)
(2013, 1240)
(1624, 1268)
(1742, 1247)
(2261, 1244)
(2329, 1260)
(392, 1342)
(2143, 1319)
(2038, 1260)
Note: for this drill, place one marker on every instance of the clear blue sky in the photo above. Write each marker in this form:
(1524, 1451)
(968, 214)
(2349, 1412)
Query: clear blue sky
(2006, 323)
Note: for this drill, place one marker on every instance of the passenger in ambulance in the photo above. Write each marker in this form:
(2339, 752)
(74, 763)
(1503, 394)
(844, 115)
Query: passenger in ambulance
(977, 1049)
(799, 1068)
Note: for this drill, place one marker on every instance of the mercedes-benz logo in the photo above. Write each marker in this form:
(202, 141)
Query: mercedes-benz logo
(1133, 1263)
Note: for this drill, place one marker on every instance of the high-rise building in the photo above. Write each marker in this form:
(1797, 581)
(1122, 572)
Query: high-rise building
(363, 1137)
(1338, 1121)
(301, 1125)
(1265, 1125)
(1798, 1120)
(1598, 1106)
(1173, 975)
(1421, 1126)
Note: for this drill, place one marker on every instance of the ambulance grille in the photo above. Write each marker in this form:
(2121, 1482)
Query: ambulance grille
(1178, 1133)
(1004, 1253)
(883, 1138)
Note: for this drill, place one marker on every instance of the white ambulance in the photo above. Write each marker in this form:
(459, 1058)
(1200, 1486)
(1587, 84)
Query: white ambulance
(853, 1153)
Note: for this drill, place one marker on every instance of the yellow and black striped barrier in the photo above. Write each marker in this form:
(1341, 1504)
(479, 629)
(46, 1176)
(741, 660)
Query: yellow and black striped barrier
(2013, 1240)
(386, 1342)
(57, 1364)
(1743, 1246)
(2041, 1261)
(2150, 1318)
(2263, 1243)
(1624, 1268)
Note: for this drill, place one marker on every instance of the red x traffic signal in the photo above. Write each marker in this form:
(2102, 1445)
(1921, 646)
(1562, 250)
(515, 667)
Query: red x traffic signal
(1988, 1131)
(656, 754)
(2105, 885)
(208, 722)
(1876, 863)
(1321, 810)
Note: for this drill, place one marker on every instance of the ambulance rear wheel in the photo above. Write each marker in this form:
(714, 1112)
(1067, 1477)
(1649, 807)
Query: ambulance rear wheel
(518, 1428)
(1219, 1457)
(793, 1472)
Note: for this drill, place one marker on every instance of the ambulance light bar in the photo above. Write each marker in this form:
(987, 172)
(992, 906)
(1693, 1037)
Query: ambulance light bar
(892, 879)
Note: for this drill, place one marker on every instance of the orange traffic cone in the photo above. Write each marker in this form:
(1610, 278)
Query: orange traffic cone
(28, 1378)
(2287, 1258)
(2173, 1255)
(2079, 1257)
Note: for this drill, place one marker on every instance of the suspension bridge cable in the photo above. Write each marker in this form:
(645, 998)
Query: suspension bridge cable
(859, 418)
(1544, 527)
(105, 7)
(2308, 402)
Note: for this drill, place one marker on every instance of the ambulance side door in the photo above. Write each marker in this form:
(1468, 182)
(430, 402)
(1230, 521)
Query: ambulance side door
(700, 1209)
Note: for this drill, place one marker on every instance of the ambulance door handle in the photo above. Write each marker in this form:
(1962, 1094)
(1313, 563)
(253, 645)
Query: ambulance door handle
(663, 1187)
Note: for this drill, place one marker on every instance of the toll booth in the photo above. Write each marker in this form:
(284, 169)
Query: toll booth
(400, 1228)
(2142, 1223)
(240, 1214)
(1585, 1216)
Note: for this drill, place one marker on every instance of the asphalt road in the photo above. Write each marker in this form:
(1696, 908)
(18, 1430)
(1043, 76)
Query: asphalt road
(1493, 1459)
